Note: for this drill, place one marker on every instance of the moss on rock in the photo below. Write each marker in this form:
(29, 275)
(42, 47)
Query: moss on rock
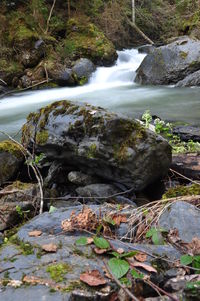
(12, 148)
(181, 190)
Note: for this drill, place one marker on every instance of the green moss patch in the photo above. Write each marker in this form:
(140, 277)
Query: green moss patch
(58, 271)
(12, 148)
(193, 189)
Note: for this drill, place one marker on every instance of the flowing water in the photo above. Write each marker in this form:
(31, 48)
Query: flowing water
(113, 88)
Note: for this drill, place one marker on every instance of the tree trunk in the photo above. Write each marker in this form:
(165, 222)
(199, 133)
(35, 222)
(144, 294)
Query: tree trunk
(133, 11)
(68, 8)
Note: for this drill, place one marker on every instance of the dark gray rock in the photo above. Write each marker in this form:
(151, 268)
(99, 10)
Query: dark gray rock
(23, 195)
(146, 49)
(31, 58)
(97, 142)
(190, 80)
(97, 190)
(77, 259)
(81, 179)
(11, 159)
(171, 63)
(187, 164)
(25, 81)
(184, 217)
(83, 69)
(187, 133)
(61, 75)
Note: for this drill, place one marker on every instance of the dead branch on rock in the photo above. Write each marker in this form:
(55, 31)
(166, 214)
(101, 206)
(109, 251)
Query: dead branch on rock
(50, 14)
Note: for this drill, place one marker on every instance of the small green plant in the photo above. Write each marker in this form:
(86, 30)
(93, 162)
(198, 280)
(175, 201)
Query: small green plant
(22, 213)
(156, 235)
(147, 118)
(194, 261)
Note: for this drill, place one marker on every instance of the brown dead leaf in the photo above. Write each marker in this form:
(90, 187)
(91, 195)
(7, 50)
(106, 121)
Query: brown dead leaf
(146, 267)
(100, 251)
(93, 278)
(194, 246)
(119, 218)
(141, 257)
(35, 233)
(51, 248)
(85, 220)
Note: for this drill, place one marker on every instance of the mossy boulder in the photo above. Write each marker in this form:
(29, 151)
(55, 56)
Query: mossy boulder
(84, 39)
(11, 158)
(171, 63)
(17, 202)
(98, 142)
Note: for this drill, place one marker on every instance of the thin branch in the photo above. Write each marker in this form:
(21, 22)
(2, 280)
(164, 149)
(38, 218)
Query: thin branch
(184, 177)
(49, 18)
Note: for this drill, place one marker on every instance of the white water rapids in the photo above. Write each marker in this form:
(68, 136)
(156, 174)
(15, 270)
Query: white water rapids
(109, 87)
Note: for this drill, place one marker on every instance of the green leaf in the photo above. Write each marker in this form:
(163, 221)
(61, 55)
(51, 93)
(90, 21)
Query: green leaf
(52, 209)
(109, 220)
(127, 282)
(137, 275)
(82, 241)
(117, 255)
(118, 267)
(150, 232)
(157, 238)
(129, 254)
(101, 243)
(186, 259)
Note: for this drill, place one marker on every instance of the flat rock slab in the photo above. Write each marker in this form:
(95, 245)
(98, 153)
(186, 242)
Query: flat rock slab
(77, 258)
(187, 164)
(187, 133)
(184, 217)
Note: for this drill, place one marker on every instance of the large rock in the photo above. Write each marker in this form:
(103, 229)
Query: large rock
(11, 158)
(184, 217)
(171, 63)
(82, 70)
(187, 133)
(190, 80)
(98, 142)
(188, 165)
(56, 275)
(61, 75)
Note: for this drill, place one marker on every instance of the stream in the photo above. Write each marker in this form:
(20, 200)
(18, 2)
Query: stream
(112, 88)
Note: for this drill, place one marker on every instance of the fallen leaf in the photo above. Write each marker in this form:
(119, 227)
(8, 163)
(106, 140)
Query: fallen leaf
(35, 233)
(93, 278)
(141, 257)
(119, 218)
(194, 246)
(84, 220)
(146, 267)
(90, 240)
(100, 251)
(51, 248)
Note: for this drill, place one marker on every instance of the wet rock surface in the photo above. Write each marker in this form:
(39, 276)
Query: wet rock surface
(187, 133)
(170, 63)
(97, 142)
(25, 261)
(190, 80)
(184, 217)
(187, 164)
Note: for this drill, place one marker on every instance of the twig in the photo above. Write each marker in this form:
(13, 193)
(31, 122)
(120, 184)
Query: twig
(50, 14)
(3, 82)
(7, 269)
(119, 283)
(46, 72)
(24, 89)
(184, 177)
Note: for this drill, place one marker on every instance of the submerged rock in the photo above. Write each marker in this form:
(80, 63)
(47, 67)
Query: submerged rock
(11, 159)
(171, 63)
(99, 143)
(184, 217)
